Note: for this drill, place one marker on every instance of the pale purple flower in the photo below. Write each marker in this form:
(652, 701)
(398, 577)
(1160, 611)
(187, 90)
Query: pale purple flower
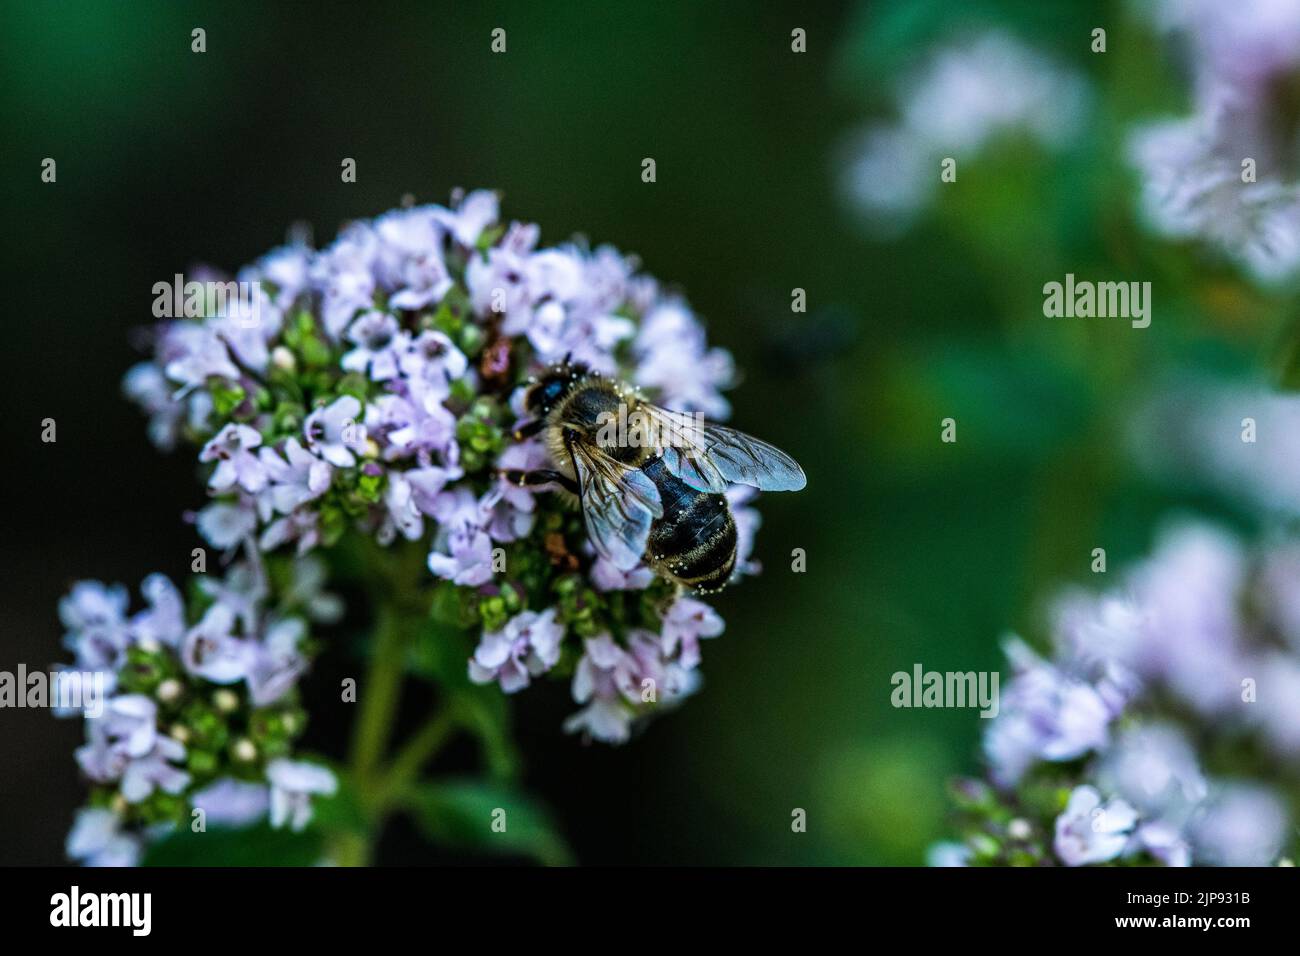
(192, 353)
(509, 508)
(414, 422)
(1246, 42)
(1191, 633)
(380, 344)
(410, 257)
(225, 524)
(748, 521)
(275, 663)
(154, 771)
(888, 174)
(969, 92)
(97, 839)
(606, 576)
(499, 281)
(604, 680)
(164, 620)
(474, 213)
(294, 478)
(131, 724)
(212, 650)
(1193, 430)
(1154, 767)
(293, 783)
(427, 484)
(232, 803)
(1088, 831)
(1164, 842)
(618, 684)
(335, 431)
(288, 269)
(242, 590)
(232, 450)
(469, 558)
(432, 356)
(95, 616)
(983, 86)
(607, 719)
(1192, 185)
(145, 385)
(302, 526)
(125, 745)
(1243, 824)
(343, 273)
(528, 645)
(401, 514)
(674, 360)
(685, 623)
(307, 590)
(246, 327)
(1045, 714)
(1277, 703)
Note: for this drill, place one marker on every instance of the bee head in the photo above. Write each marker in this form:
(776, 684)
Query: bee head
(553, 384)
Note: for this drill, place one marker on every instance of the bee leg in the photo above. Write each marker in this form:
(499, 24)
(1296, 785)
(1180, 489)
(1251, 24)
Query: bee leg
(529, 429)
(530, 479)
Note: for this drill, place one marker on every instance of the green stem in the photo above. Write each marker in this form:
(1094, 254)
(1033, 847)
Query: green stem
(379, 697)
(415, 753)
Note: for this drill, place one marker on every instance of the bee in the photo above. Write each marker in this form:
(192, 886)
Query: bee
(649, 481)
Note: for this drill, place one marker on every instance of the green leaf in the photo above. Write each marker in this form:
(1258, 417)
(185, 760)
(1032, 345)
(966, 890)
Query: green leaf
(251, 846)
(473, 815)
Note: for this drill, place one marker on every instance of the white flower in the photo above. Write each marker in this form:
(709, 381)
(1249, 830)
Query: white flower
(293, 783)
(527, 646)
(335, 433)
(1243, 824)
(97, 839)
(296, 478)
(968, 93)
(1088, 831)
(232, 450)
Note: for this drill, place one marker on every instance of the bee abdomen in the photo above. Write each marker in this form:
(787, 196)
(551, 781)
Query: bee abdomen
(694, 542)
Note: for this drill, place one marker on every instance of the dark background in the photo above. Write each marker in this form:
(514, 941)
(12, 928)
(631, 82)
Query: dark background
(168, 158)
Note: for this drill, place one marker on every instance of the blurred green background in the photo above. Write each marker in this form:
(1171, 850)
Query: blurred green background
(918, 551)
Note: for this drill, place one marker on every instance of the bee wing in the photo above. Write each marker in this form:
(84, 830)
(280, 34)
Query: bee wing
(710, 457)
(618, 504)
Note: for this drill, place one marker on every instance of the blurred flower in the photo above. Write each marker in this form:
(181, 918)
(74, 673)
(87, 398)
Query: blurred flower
(293, 784)
(968, 93)
(1195, 178)
(1089, 831)
(232, 803)
(97, 839)
(1150, 684)
(1044, 715)
(1244, 824)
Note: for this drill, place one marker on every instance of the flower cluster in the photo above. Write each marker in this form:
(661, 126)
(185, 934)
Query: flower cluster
(1163, 728)
(969, 93)
(376, 391)
(202, 710)
(1225, 175)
